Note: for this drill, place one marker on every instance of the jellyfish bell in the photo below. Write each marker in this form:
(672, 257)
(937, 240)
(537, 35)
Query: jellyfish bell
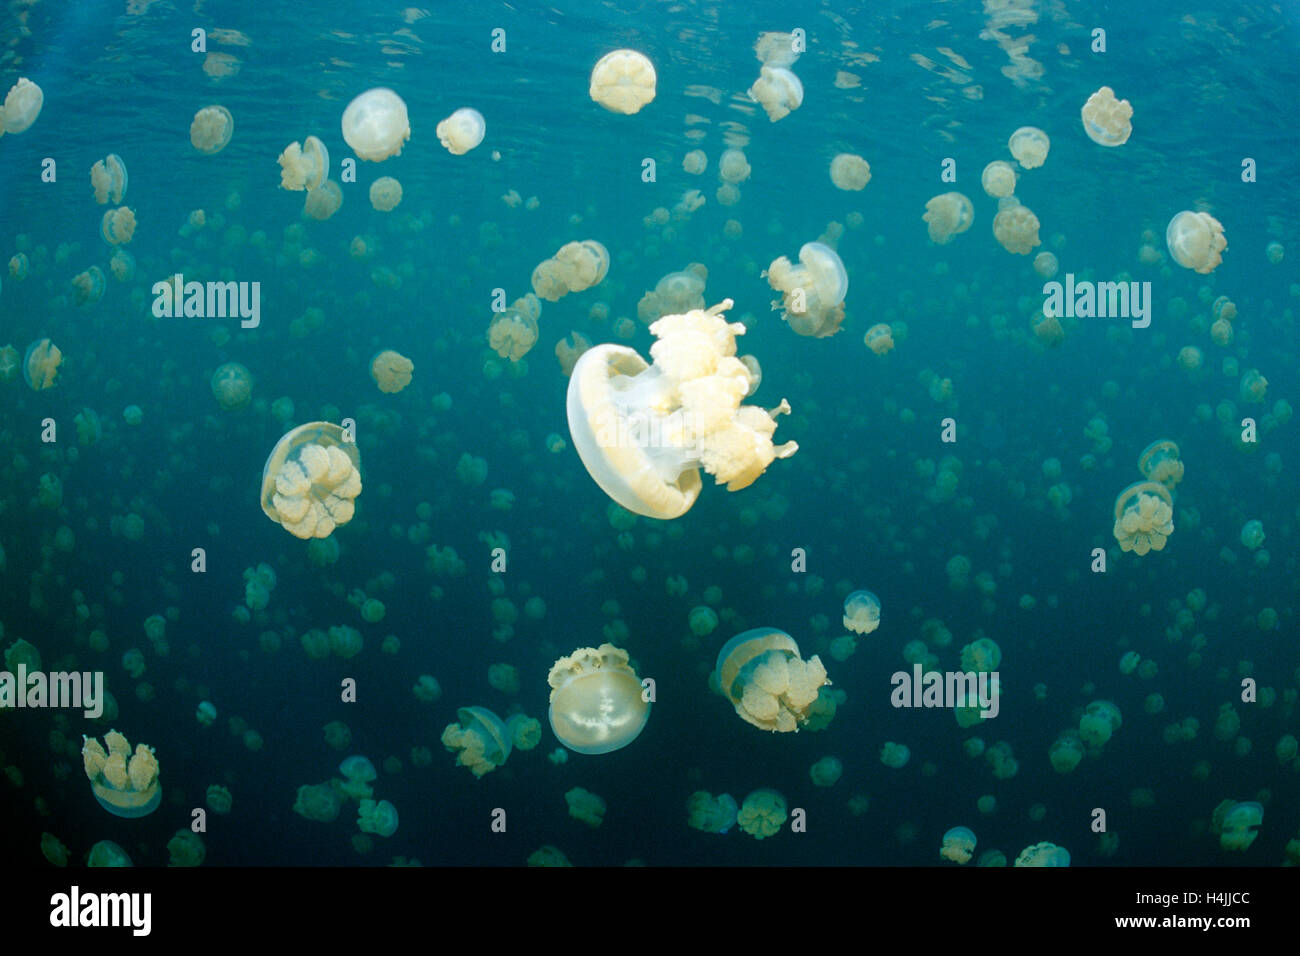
(108, 179)
(10, 363)
(861, 612)
(623, 81)
(304, 167)
(1143, 517)
(999, 179)
(481, 738)
(827, 271)
(1195, 240)
(761, 673)
(232, 386)
(211, 129)
(41, 365)
(311, 480)
(1160, 462)
(850, 172)
(596, 703)
(1106, 120)
(391, 371)
(1029, 145)
(21, 107)
(124, 783)
(778, 91)
(375, 124)
(948, 215)
(958, 845)
(461, 131)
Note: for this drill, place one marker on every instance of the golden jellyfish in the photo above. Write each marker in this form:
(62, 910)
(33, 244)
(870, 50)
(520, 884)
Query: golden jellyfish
(108, 179)
(124, 783)
(1159, 461)
(879, 338)
(576, 267)
(10, 363)
(861, 612)
(461, 131)
(733, 167)
(375, 125)
(812, 292)
(1106, 119)
(304, 166)
(88, 286)
(41, 364)
(385, 193)
(22, 105)
(118, 226)
(514, 332)
(623, 81)
(1254, 386)
(999, 179)
(1066, 752)
(762, 813)
(695, 162)
(958, 845)
(778, 91)
(1144, 517)
(596, 704)
(770, 685)
(643, 431)
(850, 172)
(1046, 265)
(232, 386)
(311, 480)
(1195, 240)
(568, 350)
(1029, 145)
(211, 129)
(674, 294)
(1043, 854)
(948, 215)
(323, 202)
(1016, 227)
(391, 371)
(480, 740)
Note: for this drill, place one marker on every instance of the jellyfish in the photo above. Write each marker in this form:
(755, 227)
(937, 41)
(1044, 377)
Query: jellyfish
(879, 338)
(861, 612)
(1237, 827)
(596, 704)
(1066, 752)
(1029, 145)
(695, 162)
(118, 226)
(1144, 517)
(577, 266)
(568, 350)
(1252, 534)
(674, 294)
(1016, 227)
(703, 621)
(41, 364)
(1100, 720)
(958, 845)
(895, 755)
(850, 172)
(319, 802)
(311, 480)
(323, 202)
(1046, 265)
(391, 371)
(375, 125)
(88, 286)
(1195, 240)
(762, 813)
(778, 91)
(211, 129)
(22, 106)
(1043, 854)
(461, 131)
(812, 292)
(733, 167)
(379, 818)
(999, 179)
(981, 656)
(125, 784)
(106, 853)
(711, 814)
(385, 194)
(108, 179)
(1159, 462)
(643, 431)
(1254, 386)
(479, 739)
(514, 332)
(769, 684)
(623, 81)
(304, 167)
(948, 215)
(826, 772)
(585, 806)
(1106, 119)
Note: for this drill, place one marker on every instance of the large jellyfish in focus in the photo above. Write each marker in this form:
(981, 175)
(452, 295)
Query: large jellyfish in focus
(1106, 119)
(623, 81)
(597, 704)
(311, 480)
(1144, 517)
(375, 125)
(125, 784)
(770, 685)
(461, 131)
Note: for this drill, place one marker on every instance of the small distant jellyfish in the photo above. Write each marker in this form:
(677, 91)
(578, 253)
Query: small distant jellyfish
(323, 202)
(461, 131)
(709, 814)
(1046, 265)
(733, 167)
(1160, 462)
(585, 806)
(850, 172)
(1254, 386)
(1016, 228)
(778, 91)
(826, 772)
(895, 755)
(1100, 720)
(861, 612)
(206, 714)
(769, 684)
(1066, 752)
(41, 365)
(948, 215)
(124, 783)
(22, 105)
(703, 621)
(1252, 534)
(879, 338)
(1043, 854)
(695, 162)
(1106, 119)
(375, 125)
(108, 179)
(1196, 241)
(623, 81)
(1144, 517)
(379, 818)
(211, 129)
(311, 480)
(391, 371)
(106, 853)
(958, 845)
(1029, 145)
(596, 703)
(304, 167)
(1237, 829)
(762, 813)
(999, 179)
(118, 226)
(232, 386)
(1274, 252)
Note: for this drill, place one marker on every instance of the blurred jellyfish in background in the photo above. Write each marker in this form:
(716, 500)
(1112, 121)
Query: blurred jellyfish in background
(948, 215)
(1144, 517)
(770, 685)
(1066, 752)
(623, 81)
(211, 130)
(385, 194)
(1195, 240)
(596, 705)
(1106, 120)
(375, 125)
(826, 772)
(319, 802)
(391, 371)
(232, 386)
(125, 784)
(895, 755)
(958, 845)
(1252, 535)
(585, 806)
(1100, 720)
(762, 813)
(311, 480)
(41, 365)
(1043, 854)
(10, 363)
(461, 131)
(1159, 461)
(1236, 824)
(674, 294)
(379, 818)
(861, 612)
(106, 853)
(711, 814)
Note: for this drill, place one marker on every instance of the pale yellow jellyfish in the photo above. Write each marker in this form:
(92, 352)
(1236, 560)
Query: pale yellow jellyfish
(118, 226)
(958, 845)
(108, 179)
(88, 286)
(1195, 240)
(1046, 265)
(674, 294)
(232, 386)
(461, 131)
(879, 338)
(512, 333)
(770, 685)
(304, 166)
(324, 201)
(643, 431)
(1043, 854)
(480, 740)
(778, 91)
(22, 105)
(568, 350)
(211, 129)
(861, 612)
(762, 813)
(1106, 120)
(1144, 517)
(391, 371)
(125, 784)
(948, 215)
(733, 167)
(375, 125)
(999, 179)
(623, 81)
(1016, 227)
(1029, 145)
(596, 704)
(850, 172)
(1099, 721)
(311, 480)
(1159, 461)
(41, 364)
(385, 193)
(813, 292)
(577, 266)
(695, 162)
(585, 806)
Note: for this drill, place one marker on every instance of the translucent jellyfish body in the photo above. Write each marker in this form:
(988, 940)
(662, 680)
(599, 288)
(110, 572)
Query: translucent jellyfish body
(377, 817)
(770, 685)
(577, 266)
(323, 202)
(711, 814)
(391, 371)
(675, 293)
(1106, 120)
(1043, 854)
(211, 129)
(597, 705)
(1100, 720)
(10, 363)
(958, 845)
(999, 179)
(879, 338)
(1016, 227)
(861, 612)
(1029, 145)
(232, 385)
(623, 81)
(643, 431)
(304, 167)
(311, 480)
(1237, 831)
(778, 91)
(461, 131)
(21, 107)
(812, 292)
(1195, 240)
(124, 783)
(385, 194)
(118, 226)
(514, 332)
(375, 125)
(480, 740)
(1159, 461)
(108, 179)
(1252, 534)
(948, 215)
(762, 813)
(41, 364)
(850, 172)
(1144, 517)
